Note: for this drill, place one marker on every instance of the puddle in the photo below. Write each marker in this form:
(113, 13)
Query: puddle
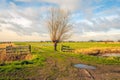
(83, 66)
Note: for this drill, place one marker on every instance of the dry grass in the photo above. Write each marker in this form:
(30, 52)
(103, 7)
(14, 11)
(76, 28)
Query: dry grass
(14, 57)
(29, 57)
(96, 50)
(3, 45)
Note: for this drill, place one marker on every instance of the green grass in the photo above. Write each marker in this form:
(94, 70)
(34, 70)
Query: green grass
(44, 51)
(91, 44)
(96, 60)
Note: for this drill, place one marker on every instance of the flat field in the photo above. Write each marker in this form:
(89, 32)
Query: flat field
(47, 64)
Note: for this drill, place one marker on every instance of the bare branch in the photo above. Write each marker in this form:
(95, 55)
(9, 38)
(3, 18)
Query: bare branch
(58, 24)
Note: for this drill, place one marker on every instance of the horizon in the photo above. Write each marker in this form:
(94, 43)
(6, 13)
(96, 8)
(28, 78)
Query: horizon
(23, 20)
(63, 41)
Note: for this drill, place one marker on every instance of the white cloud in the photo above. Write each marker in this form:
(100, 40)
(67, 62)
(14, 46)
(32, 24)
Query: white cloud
(110, 35)
(23, 21)
(8, 35)
(65, 4)
(104, 23)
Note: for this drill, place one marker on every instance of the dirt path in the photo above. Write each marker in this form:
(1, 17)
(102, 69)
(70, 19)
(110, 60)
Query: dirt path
(63, 69)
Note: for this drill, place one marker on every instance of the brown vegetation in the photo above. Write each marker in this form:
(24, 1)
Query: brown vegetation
(14, 57)
(97, 51)
(3, 45)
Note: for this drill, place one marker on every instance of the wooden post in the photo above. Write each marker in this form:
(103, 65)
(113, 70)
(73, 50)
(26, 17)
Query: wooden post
(30, 48)
(61, 47)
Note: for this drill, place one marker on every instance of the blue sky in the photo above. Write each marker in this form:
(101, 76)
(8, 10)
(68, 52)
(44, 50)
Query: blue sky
(23, 20)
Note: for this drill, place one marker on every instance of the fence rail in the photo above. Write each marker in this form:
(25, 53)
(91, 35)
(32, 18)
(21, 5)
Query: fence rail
(16, 49)
(66, 48)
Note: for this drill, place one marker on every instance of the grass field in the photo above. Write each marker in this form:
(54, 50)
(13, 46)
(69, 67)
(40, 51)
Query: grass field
(55, 65)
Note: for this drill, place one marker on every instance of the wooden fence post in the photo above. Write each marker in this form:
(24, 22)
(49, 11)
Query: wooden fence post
(30, 48)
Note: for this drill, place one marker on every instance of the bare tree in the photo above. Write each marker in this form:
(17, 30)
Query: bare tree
(58, 25)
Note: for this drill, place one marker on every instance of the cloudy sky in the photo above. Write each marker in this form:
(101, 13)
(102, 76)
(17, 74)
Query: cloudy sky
(23, 20)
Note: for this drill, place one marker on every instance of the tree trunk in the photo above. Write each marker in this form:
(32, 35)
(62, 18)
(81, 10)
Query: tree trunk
(55, 46)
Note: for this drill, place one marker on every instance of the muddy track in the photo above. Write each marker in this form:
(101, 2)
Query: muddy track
(58, 69)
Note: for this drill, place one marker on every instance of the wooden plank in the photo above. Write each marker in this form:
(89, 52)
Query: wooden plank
(18, 49)
(66, 49)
